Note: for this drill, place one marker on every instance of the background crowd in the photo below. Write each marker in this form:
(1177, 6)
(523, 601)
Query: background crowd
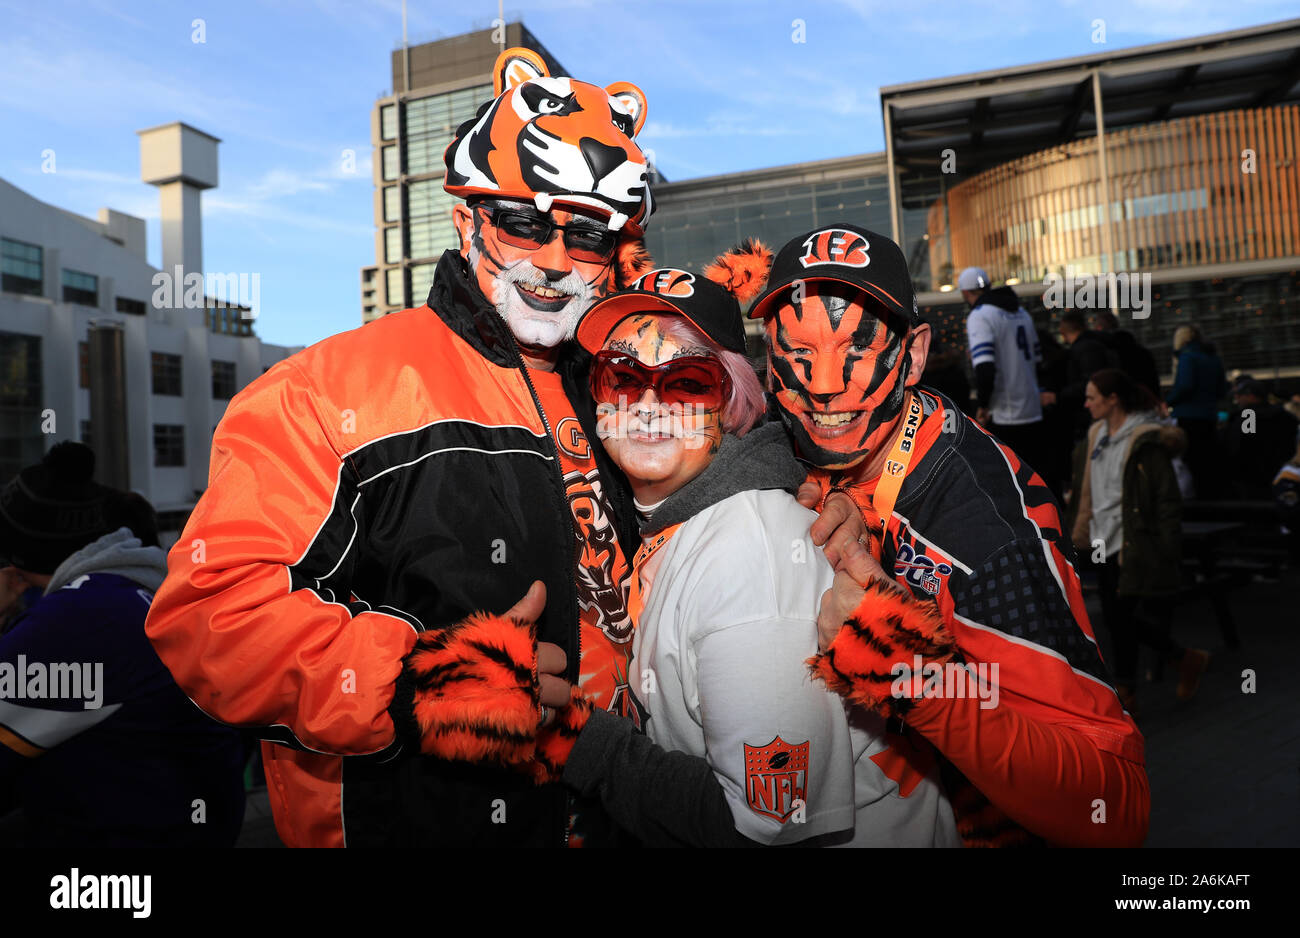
(1159, 482)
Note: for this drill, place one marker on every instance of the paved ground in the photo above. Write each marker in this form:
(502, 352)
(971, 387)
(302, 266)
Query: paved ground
(259, 829)
(1224, 767)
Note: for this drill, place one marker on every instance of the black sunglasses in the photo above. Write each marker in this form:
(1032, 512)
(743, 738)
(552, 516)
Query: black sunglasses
(522, 229)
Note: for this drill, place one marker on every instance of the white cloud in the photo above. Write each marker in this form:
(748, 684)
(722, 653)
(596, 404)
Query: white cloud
(85, 86)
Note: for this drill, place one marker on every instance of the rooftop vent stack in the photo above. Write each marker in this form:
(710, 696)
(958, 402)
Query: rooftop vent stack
(181, 161)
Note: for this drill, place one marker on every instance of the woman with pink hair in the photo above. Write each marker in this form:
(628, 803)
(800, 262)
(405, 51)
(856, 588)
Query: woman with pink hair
(729, 742)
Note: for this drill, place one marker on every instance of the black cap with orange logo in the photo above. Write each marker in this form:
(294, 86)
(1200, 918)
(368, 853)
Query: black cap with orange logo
(708, 306)
(848, 254)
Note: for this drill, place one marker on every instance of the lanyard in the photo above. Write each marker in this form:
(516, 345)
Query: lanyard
(635, 601)
(891, 479)
(891, 482)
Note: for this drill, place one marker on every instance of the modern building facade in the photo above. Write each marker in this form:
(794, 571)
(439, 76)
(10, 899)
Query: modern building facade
(1173, 163)
(436, 87)
(1194, 145)
(1216, 188)
(65, 276)
(697, 219)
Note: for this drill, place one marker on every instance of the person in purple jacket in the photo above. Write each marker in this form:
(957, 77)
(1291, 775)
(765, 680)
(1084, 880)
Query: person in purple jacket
(98, 746)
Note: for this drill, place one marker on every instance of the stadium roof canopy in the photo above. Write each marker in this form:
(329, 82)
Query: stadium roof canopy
(988, 118)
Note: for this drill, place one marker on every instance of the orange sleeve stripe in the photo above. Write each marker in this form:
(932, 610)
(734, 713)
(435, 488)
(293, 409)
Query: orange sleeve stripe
(19, 745)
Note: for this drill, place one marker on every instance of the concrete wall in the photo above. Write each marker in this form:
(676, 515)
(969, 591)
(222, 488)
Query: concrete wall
(85, 245)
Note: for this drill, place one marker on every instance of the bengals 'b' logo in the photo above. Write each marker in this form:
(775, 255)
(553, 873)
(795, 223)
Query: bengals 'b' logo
(835, 246)
(667, 280)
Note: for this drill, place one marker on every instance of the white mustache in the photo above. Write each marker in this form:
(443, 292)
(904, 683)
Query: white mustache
(523, 272)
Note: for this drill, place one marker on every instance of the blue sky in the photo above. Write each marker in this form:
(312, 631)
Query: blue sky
(288, 86)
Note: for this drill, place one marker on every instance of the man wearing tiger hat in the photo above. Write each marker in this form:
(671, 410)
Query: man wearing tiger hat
(961, 618)
(378, 501)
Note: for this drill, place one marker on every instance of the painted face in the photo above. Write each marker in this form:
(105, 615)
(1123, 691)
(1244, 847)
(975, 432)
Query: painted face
(838, 371)
(659, 447)
(541, 292)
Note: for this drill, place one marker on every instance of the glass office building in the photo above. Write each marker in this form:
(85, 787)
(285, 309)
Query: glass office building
(439, 85)
(698, 219)
(1178, 161)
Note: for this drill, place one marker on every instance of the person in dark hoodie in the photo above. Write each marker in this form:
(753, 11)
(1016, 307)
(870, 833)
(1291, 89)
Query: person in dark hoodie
(1199, 385)
(1089, 354)
(738, 747)
(1259, 437)
(98, 746)
(1135, 359)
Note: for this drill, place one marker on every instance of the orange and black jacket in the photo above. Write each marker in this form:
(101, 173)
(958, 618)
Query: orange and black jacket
(386, 481)
(978, 533)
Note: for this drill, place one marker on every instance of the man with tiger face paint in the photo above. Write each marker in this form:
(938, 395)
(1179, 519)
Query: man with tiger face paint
(409, 481)
(840, 365)
(966, 569)
(541, 293)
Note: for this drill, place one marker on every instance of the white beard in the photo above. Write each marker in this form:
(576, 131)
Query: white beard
(533, 327)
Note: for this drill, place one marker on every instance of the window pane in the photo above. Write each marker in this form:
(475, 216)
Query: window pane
(422, 197)
(421, 279)
(390, 163)
(80, 288)
(394, 292)
(168, 444)
(432, 236)
(388, 122)
(392, 203)
(166, 374)
(223, 380)
(392, 245)
(21, 267)
(431, 122)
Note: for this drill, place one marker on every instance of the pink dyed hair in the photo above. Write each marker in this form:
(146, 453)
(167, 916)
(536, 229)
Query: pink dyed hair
(742, 409)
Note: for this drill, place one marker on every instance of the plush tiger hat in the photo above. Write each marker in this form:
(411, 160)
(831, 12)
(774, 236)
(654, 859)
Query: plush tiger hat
(743, 270)
(554, 140)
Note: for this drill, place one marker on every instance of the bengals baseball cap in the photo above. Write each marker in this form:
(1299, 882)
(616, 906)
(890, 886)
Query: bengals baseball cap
(708, 306)
(847, 254)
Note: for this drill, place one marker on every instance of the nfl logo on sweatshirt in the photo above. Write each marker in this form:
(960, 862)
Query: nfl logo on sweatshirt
(776, 778)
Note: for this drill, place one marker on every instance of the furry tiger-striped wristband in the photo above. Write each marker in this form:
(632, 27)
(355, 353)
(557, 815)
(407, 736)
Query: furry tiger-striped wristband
(888, 628)
(472, 691)
(555, 742)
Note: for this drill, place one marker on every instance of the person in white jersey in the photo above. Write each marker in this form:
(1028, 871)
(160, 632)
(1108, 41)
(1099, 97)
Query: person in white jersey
(1005, 353)
(737, 744)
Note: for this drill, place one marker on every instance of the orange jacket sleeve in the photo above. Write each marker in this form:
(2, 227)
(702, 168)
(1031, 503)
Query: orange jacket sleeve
(256, 620)
(1045, 777)
(1053, 751)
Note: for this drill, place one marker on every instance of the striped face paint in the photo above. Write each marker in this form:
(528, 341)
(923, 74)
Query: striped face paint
(540, 293)
(838, 371)
(659, 447)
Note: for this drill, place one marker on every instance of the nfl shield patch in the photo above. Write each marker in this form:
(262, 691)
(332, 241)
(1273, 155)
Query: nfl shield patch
(776, 776)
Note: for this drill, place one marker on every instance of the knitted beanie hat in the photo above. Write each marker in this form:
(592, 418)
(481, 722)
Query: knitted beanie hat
(51, 510)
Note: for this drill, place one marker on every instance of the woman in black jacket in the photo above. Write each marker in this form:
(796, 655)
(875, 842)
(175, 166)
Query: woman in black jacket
(1130, 521)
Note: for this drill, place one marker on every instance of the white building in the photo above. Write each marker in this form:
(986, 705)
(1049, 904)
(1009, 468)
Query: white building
(60, 271)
